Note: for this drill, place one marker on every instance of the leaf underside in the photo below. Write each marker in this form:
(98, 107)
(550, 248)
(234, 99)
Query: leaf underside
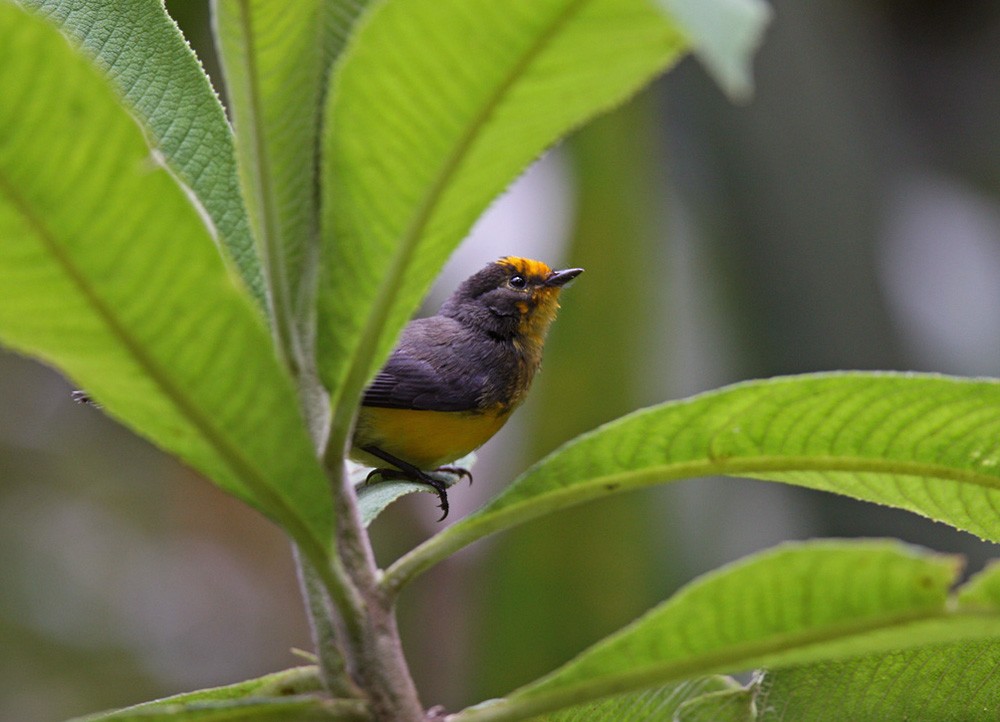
(144, 55)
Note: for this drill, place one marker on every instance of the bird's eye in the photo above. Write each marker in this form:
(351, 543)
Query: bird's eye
(517, 282)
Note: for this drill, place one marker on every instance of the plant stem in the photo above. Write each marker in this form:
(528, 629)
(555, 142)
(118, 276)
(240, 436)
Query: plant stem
(375, 651)
(333, 668)
(351, 617)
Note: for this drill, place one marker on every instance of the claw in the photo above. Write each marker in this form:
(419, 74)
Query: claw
(441, 490)
(457, 471)
(82, 397)
(443, 506)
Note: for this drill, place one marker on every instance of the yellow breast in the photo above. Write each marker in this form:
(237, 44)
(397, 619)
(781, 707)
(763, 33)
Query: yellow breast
(426, 439)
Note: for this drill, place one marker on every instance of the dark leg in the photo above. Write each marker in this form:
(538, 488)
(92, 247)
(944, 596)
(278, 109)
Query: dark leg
(404, 470)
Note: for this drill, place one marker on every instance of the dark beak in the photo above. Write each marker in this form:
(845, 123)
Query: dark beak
(561, 278)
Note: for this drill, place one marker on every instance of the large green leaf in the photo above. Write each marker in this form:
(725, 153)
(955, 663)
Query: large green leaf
(276, 58)
(436, 106)
(929, 444)
(942, 682)
(109, 273)
(945, 683)
(797, 604)
(152, 66)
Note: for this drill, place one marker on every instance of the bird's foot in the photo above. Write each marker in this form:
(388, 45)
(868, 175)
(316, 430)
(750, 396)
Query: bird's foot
(418, 476)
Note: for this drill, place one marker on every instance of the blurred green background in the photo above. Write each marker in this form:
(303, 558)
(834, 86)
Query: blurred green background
(847, 217)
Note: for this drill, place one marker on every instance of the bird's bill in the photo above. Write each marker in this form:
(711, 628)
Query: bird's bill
(561, 278)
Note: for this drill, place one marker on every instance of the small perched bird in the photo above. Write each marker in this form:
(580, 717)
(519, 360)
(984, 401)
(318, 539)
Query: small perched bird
(455, 378)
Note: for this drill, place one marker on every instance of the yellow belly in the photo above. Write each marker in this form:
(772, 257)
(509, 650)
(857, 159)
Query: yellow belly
(426, 439)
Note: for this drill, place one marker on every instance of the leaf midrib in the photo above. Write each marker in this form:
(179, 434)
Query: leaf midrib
(815, 463)
(270, 241)
(485, 522)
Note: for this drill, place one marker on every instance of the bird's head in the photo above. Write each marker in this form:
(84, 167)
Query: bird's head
(512, 297)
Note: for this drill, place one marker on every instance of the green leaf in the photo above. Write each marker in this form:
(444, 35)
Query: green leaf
(304, 708)
(797, 604)
(437, 105)
(954, 682)
(279, 696)
(152, 66)
(109, 274)
(660, 703)
(940, 682)
(724, 35)
(929, 444)
(276, 57)
(983, 589)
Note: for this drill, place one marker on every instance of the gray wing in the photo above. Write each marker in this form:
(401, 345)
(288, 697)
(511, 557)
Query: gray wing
(435, 367)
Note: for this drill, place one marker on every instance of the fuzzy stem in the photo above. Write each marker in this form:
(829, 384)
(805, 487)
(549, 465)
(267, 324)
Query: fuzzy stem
(332, 665)
(375, 651)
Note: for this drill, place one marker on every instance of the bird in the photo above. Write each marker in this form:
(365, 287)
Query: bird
(454, 378)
